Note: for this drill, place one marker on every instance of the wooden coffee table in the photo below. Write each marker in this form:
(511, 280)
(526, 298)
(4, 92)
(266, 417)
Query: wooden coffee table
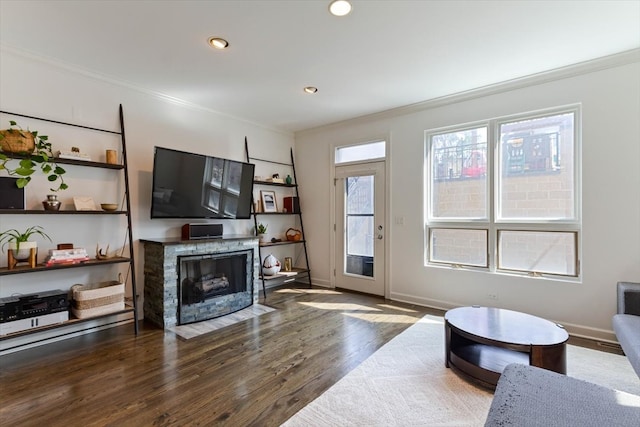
(481, 341)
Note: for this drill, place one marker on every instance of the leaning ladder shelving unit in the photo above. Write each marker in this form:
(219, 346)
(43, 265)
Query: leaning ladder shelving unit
(131, 307)
(297, 273)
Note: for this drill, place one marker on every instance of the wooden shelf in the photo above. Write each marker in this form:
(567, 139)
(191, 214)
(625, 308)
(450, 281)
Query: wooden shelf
(277, 213)
(284, 242)
(22, 269)
(286, 276)
(276, 184)
(61, 212)
(87, 163)
(128, 309)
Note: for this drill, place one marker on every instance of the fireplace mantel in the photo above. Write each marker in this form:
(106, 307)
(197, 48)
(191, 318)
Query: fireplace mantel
(161, 258)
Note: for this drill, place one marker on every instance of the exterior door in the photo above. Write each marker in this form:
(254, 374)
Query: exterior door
(360, 228)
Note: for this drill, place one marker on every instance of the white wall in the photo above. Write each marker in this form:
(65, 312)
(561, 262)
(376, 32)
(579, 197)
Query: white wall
(610, 99)
(40, 88)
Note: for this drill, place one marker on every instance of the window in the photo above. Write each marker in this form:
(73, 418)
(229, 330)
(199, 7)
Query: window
(502, 195)
(361, 152)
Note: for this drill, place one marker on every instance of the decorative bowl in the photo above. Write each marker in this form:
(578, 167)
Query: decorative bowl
(109, 207)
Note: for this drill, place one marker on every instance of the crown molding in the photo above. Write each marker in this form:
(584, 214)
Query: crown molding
(581, 68)
(72, 68)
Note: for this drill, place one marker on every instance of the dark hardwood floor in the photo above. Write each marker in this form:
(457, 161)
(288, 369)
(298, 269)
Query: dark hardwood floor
(255, 373)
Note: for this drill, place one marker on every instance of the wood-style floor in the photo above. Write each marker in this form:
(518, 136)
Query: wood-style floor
(256, 373)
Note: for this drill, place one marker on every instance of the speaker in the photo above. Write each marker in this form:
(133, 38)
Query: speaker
(11, 197)
(201, 231)
(291, 204)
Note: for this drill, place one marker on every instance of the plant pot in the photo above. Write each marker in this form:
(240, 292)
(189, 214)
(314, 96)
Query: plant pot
(16, 141)
(23, 253)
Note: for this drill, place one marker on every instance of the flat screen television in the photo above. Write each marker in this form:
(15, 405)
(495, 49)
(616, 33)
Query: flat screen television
(189, 185)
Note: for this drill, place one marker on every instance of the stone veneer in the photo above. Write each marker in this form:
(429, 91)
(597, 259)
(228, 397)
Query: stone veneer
(161, 271)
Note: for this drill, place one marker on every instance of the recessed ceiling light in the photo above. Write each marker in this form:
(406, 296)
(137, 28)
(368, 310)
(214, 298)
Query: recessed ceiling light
(340, 7)
(218, 43)
(310, 89)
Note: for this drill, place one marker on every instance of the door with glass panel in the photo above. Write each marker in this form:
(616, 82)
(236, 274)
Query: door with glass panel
(360, 228)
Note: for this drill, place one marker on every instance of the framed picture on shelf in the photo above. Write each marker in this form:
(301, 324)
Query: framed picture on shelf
(268, 201)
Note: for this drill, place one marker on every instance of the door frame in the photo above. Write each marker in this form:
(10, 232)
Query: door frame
(387, 205)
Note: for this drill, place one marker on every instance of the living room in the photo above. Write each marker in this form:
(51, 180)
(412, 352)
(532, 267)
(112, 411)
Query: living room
(607, 88)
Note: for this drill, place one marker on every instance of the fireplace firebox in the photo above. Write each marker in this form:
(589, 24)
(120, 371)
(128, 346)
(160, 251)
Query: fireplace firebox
(212, 285)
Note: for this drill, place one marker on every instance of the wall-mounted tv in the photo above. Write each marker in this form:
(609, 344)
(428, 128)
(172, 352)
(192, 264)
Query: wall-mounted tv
(189, 185)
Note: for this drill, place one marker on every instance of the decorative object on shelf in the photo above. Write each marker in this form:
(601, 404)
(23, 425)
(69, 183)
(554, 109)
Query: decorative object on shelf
(288, 180)
(109, 207)
(270, 265)
(293, 235)
(268, 201)
(261, 230)
(288, 263)
(37, 153)
(112, 157)
(275, 240)
(66, 256)
(21, 249)
(100, 255)
(97, 299)
(52, 203)
(74, 154)
(84, 203)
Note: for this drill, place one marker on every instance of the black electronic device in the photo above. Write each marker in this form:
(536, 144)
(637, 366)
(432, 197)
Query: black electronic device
(201, 231)
(31, 305)
(11, 197)
(189, 185)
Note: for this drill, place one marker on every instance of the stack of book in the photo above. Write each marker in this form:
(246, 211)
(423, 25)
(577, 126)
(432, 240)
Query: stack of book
(66, 256)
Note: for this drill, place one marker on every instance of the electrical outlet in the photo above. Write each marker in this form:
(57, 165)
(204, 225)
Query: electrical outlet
(492, 296)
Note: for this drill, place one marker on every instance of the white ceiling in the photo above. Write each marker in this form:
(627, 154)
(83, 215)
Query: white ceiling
(385, 54)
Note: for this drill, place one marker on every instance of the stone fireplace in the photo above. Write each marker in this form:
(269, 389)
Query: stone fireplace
(187, 281)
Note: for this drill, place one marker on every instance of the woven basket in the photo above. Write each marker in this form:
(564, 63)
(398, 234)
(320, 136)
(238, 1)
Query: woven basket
(97, 299)
(15, 141)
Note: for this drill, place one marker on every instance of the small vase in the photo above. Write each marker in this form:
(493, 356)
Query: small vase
(52, 203)
(288, 180)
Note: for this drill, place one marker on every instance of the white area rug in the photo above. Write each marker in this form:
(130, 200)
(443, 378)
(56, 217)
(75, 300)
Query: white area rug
(195, 329)
(405, 383)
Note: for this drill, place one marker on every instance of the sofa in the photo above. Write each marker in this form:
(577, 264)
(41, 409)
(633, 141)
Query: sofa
(528, 396)
(626, 323)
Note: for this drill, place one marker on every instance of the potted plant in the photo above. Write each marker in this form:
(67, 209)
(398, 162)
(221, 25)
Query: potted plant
(261, 230)
(19, 243)
(36, 153)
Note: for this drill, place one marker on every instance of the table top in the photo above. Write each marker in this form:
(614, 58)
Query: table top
(511, 327)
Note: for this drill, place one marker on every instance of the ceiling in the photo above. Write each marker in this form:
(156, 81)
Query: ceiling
(383, 55)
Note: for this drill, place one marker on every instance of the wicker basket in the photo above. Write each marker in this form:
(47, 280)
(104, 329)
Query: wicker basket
(16, 141)
(97, 299)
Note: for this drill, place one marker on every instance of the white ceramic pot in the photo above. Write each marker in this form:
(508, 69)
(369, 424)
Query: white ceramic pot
(23, 253)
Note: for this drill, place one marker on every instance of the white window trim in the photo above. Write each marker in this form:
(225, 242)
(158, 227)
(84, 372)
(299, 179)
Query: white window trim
(491, 223)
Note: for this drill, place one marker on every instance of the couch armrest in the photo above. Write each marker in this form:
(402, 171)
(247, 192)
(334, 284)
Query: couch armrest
(629, 298)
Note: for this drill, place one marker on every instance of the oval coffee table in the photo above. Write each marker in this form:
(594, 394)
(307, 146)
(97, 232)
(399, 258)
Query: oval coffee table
(481, 341)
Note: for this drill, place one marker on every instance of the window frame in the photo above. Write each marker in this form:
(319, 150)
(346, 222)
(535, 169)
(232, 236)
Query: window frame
(492, 223)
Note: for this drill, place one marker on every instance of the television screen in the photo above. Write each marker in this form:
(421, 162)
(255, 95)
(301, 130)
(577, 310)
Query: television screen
(189, 185)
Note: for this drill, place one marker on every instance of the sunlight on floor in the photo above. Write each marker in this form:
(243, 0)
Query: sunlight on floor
(393, 307)
(382, 318)
(339, 306)
(307, 291)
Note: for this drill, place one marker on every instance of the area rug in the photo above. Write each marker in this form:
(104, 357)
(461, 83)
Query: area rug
(196, 329)
(405, 383)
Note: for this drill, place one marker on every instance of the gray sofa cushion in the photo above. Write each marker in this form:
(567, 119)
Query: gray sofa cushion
(529, 396)
(627, 329)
